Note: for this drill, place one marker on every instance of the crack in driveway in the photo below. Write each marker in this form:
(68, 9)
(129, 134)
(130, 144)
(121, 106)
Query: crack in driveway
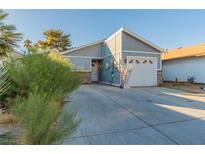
(126, 130)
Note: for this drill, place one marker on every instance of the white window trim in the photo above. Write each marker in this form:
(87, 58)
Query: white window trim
(85, 57)
(90, 70)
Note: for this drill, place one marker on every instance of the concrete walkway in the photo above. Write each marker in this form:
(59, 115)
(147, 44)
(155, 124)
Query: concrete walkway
(137, 116)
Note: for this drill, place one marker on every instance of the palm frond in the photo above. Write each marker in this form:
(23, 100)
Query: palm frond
(5, 81)
(3, 15)
(9, 38)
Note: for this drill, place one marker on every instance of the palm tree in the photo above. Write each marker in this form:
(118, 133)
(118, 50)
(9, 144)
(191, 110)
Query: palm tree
(8, 36)
(56, 39)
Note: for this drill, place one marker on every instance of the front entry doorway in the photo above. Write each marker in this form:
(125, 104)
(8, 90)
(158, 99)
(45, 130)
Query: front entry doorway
(94, 75)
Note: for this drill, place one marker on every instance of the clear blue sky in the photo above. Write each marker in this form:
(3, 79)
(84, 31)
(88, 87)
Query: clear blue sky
(166, 28)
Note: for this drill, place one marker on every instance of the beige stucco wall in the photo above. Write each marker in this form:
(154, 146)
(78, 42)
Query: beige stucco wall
(112, 45)
(133, 44)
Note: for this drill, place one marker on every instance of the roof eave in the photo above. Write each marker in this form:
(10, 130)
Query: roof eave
(178, 58)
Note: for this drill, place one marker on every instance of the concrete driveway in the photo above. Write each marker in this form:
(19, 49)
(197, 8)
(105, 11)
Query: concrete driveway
(137, 116)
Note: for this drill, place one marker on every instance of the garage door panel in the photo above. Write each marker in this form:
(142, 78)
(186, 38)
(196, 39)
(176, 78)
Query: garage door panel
(143, 71)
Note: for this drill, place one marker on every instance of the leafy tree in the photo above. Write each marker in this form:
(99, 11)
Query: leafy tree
(8, 36)
(55, 40)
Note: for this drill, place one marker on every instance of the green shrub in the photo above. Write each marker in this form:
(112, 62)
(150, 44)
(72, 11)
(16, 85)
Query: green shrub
(43, 73)
(38, 114)
(39, 84)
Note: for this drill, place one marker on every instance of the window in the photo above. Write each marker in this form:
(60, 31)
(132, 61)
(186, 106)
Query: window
(131, 61)
(137, 61)
(145, 61)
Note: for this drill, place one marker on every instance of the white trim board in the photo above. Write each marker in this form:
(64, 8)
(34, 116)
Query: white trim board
(145, 52)
(85, 57)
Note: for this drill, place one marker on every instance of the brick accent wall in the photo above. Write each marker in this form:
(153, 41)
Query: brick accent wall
(86, 77)
(159, 77)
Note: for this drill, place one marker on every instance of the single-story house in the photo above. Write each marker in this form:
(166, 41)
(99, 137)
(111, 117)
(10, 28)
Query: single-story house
(183, 64)
(123, 59)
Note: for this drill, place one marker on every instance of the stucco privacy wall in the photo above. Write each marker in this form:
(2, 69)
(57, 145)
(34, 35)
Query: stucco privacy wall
(182, 68)
(131, 44)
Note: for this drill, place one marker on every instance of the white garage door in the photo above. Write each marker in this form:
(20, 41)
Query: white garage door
(143, 71)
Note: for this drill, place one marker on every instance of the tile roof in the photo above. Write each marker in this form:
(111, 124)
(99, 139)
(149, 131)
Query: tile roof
(191, 51)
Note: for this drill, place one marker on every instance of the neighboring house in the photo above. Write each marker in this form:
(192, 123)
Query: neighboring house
(123, 59)
(184, 63)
